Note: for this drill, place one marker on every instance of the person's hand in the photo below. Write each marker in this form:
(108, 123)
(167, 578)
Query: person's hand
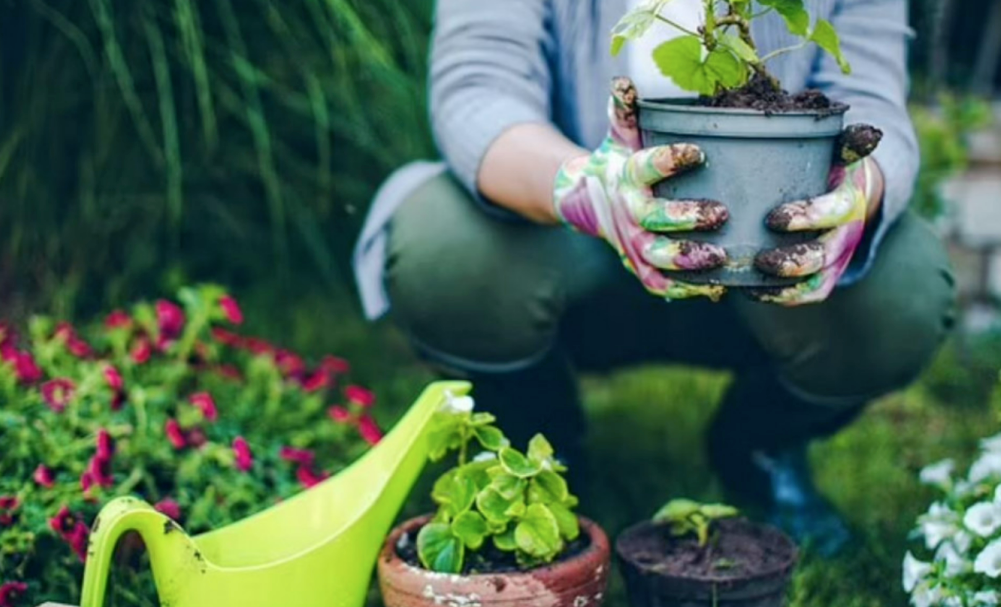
(607, 194)
(856, 184)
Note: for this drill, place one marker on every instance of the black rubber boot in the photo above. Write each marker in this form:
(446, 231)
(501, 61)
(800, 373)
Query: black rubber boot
(758, 448)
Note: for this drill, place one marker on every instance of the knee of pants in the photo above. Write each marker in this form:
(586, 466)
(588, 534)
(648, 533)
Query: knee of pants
(465, 288)
(881, 333)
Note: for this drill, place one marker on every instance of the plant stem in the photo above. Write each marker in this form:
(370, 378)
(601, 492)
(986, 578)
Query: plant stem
(677, 26)
(783, 51)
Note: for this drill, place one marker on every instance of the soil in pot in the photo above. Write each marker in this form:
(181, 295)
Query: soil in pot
(745, 565)
(764, 96)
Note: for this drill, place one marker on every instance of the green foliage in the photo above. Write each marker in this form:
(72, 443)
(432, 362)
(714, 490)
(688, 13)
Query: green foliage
(943, 133)
(219, 138)
(685, 517)
(167, 403)
(518, 501)
(722, 54)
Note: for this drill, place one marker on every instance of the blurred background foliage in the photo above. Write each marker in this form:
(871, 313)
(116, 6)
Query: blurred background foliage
(148, 143)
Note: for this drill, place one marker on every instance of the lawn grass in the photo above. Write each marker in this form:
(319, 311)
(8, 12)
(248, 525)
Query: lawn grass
(646, 444)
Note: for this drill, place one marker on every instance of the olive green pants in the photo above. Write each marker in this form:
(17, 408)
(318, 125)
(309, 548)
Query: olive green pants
(479, 295)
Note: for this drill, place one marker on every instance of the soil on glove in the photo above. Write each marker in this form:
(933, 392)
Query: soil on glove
(763, 95)
(740, 550)
(488, 559)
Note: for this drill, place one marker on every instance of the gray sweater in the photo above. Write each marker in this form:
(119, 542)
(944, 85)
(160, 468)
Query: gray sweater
(498, 63)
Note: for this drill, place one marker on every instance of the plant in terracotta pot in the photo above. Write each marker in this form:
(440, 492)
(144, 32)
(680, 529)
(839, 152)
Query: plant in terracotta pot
(764, 146)
(693, 554)
(505, 530)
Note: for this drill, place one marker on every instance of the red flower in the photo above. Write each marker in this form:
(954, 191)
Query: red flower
(231, 310)
(204, 403)
(244, 458)
(303, 457)
(26, 370)
(113, 377)
(7, 335)
(10, 592)
(226, 338)
(369, 430)
(229, 372)
(289, 363)
(359, 396)
(43, 476)
(8, 505)
(196, 438)
(170, 318)
(105, 444)
(319, 380)
(118, 320)
(308, 477)
(78, 540)
(141, 350)
(76, 346)
(57, 393)
(169, 507)
(98, 473)
(73, 530)
(334, 365)
(63, 522)
(175, 435)
(339, 414)
(257, 346)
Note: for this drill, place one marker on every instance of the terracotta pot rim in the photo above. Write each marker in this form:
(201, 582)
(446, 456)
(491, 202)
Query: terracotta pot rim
(394, 571)
(783, 568)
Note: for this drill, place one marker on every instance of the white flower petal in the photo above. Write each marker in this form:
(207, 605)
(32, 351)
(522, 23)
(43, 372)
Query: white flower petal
(991, 444)
(987, 466)
(459, 404)
(983, 518)
(914, 571)
(939, 473)
(955, 563)
(985, 598)
(925, 595)
(988, 561)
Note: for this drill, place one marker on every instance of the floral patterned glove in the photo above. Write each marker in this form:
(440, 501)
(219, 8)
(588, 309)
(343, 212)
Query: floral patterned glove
(607, 194)
(841, 214)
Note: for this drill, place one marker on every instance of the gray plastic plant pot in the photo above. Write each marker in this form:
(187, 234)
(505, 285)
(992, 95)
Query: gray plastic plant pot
(754, 162)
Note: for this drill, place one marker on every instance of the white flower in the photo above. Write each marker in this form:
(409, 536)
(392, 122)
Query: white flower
(991, 444)
(926, 595)
(989, 560)
(914, 571)
(955, 563)
(459, 404)
(997, 495)
(485, 456)
(985, 597)
(987, 466)
(983, 518)
(938, 525)
(963, 488)
(962, 541)
(939, 473)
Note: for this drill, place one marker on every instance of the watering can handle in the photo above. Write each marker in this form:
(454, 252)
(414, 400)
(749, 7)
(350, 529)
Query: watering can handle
(118, 517)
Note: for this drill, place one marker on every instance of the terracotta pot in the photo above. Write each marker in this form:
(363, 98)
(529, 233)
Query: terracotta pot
(576, 582)
(649, 587)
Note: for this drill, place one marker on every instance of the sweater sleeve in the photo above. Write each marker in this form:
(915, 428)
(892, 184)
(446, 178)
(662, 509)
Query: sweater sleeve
(874, 37)
(488, 73)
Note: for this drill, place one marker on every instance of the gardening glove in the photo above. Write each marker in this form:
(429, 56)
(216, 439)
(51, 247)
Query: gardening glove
(607, 194)
(840, 214)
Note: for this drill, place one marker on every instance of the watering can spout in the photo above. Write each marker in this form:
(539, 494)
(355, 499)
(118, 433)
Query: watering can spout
(325, 540)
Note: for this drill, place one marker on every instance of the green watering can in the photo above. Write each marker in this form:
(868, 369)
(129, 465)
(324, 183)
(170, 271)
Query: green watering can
(317, 549)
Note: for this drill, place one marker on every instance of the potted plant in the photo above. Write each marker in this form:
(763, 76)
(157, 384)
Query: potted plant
(703, 554)
(765, 146)
(505, 531)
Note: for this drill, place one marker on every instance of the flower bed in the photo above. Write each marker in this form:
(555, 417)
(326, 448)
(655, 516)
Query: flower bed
(167, 402)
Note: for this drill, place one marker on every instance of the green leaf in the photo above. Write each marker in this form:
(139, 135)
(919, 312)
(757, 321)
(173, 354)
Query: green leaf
(566, 521)
(717, 511)
(481, 419)
(517, 464)
(491, 438)
(827, 39)
(493, 506)
(505, 541)
(740, 48)
(439, 549)
(676, 511)
(471, 528)
(681, 60)
(633, 25)
(548, 487)
(538, 534)
(444, 436)
(539, 449)
(795, 15)
(455, 491)
(508, 485)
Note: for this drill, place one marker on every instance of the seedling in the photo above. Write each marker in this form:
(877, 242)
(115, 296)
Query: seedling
(685, 517)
